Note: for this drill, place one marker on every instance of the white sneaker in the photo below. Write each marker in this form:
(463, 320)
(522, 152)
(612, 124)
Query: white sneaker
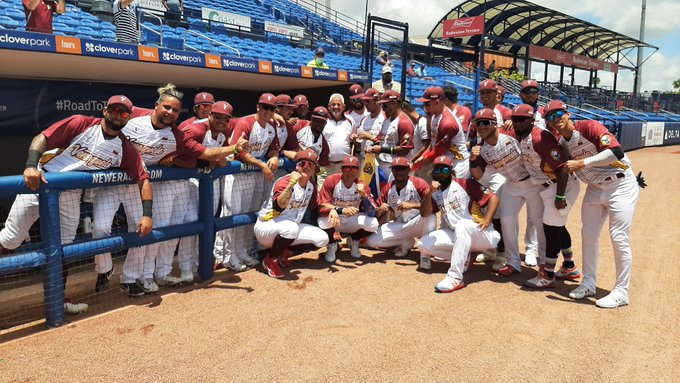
(612, 301)
(449, 284)
(486, 256)
(147, 285)
(187, 277)
(75, 308)
(354, 248)
(331, 249)
(530, 260)
(235, 264)
(581, 292)
(539, 282)
(499, 262)
(168, 280)
(403, 249)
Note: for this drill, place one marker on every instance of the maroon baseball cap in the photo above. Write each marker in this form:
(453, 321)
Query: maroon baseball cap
(356, 91)
(443, 160)
(432, 93)
(488, 85)
(401, 161)
(222, 107)
(308, 155)
(523, 110)
(301, 99)
(485, 114)
(285, 100)
(321, 113)
(120, 100)
(390, 95)
(267, 99)
(553, 106)
(204, 98)
(529, 84)
(350, 161)
(371, 94)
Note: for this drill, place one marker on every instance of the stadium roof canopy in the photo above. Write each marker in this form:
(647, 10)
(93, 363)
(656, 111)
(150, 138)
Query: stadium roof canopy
(512, 25)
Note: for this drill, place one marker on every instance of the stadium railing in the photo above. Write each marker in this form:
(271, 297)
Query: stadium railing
(52, 254)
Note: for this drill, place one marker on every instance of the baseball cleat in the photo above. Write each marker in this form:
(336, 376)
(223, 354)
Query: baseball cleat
(539, 282)
(448, 285)
(169, 280)
(103, 281)
(499, 262)
(530, 260)
(147, 285)
(283, 258)
(568, 274)
(272, 267)
(581, 292)
(132, 289)
(613, 300)
(353, 248)
(331, 249)
(75, 308)
(487, 256)
(508, 271)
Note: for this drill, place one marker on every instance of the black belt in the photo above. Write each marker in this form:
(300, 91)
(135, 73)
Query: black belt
(524, 179)
(618, 175)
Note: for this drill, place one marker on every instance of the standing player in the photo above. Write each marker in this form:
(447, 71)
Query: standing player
(310, 136)
(421, 135)
(396, 135)
(598, 160)
(446, 132)
(340, 199)
(285, 132)
(399, 206)
(463, 228)
(81, 143)
(358, 112)
(529, 92)
(544, 160)
(278, 225)
(370, 126)
(203, 103)
(501, 153)
(244, 192)
(463, 113)
(302, 106)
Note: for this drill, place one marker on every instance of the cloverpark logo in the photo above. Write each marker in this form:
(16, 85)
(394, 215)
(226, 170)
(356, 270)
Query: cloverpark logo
(166, 56)
(108, 50)
(182, 58)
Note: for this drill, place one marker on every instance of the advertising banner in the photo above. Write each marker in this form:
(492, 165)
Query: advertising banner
(468, 26)
(543, 53)
(284, 29)
(671, 133)
(654, 134)
(230, 20)
(108, 49)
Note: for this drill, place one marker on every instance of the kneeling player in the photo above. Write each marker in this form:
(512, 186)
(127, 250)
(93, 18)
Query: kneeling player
(463, 228)
(278, 224)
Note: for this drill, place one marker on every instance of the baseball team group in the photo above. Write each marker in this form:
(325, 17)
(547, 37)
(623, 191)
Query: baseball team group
(453, 184)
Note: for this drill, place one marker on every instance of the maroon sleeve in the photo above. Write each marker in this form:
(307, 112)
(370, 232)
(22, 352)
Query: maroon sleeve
(243, 127)
(474, 190)
(505, 112)
(190, 140)
(324, 157)
(291, 141)
(301, 124)
(61, 133)
(279, 187)
(140, 112)
(465, 116)
(132, 162)
(448, 128)
(405, 131)
(314, 201)
(421, 186)
(186, 123)
(384, 191)
(598, 134)
(545, 144)
(326, 193)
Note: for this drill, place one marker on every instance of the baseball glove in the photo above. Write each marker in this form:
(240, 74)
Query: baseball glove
(641, 180)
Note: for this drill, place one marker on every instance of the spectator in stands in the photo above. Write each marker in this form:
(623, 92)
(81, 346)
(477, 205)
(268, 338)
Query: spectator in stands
(386, 83)
(302, 106)
(175, 9)
(383, 58)
(411, 71)
(39, 14)
(317, 62)
(125, 19)
(422, 73)
(492, 66)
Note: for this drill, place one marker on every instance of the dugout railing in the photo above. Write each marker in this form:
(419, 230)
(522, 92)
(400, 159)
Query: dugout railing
(52, 255)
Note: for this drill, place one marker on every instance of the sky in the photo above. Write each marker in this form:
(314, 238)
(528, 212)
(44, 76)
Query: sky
(622, 16)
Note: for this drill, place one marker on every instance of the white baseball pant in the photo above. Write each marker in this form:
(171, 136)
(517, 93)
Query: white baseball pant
(457, 244)
(106, 203)
(514, 196)
(266, 231)
(170, 203)
(352, 224)
(401, 233)
(25, 211)
(552, 216)
(615, 200)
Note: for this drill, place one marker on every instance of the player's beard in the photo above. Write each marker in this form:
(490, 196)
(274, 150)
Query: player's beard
(445, 181)
(113, 126)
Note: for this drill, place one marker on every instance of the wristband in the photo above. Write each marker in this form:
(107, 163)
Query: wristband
(147, 208)
(33, 158)
(235, 151)
(473, 164)
(339, 210)
(385, 149)
(292, 182)
(560, 197)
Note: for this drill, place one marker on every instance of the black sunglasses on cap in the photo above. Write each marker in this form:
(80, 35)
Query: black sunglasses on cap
(267, 107)
(530, 91)
(484, 122)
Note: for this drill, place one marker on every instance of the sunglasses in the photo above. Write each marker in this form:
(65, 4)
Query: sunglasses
(351, 167)
(306, 164)
(553, 116)
(520, 119)
(203, 106)
(484, 123)
(530, 91)
(442, 170)
(119, 112)
(268, 108)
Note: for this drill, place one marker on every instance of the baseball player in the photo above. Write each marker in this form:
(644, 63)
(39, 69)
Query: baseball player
(78, 143)
(396, 135)
(310, 134)
(244, 192)
(597, 159)
(421, 135)
(204, 140)
(529, 92)
(279, 226)
(448, 136)
(203, 103)
(370, 126)
(302, 106)
(463, 227)
(286, 132)
(463, 113)
(340, 200)
(544, 160)
(399, 205)
(358, 112)
(337, 133)
(501, 153)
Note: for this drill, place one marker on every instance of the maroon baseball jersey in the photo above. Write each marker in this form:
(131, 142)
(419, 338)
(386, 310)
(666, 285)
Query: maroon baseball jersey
(464, 115)
(300, 200)
(414, 191)
(197, 138)
(461, 200)
(40, 19)
(448, 137)
(78, 143)
(505, 157)
(261, 139)
(306, 140)
(396, 133)
(187, 122)
(542, 155)
(335, 193)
